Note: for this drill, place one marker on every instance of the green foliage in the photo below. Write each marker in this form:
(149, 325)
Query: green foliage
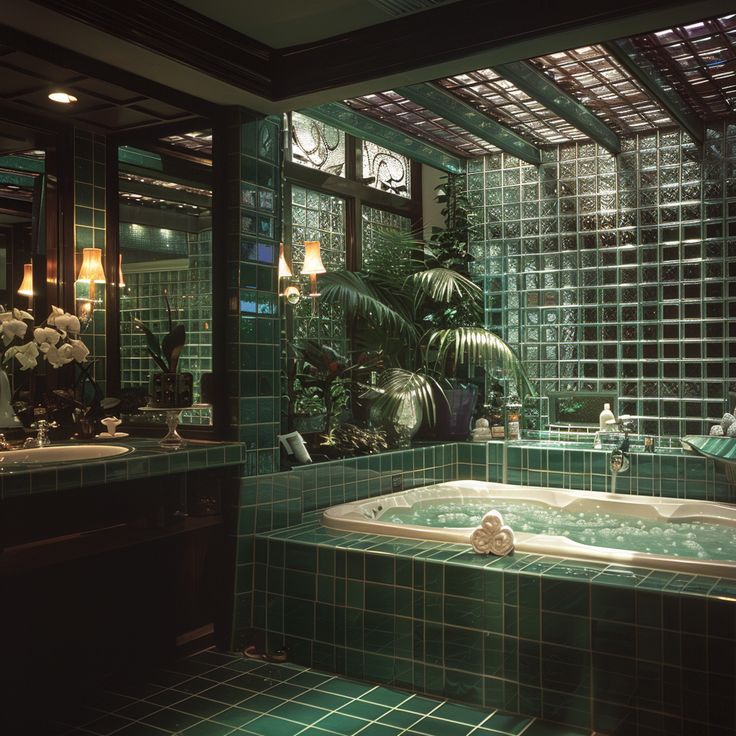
(167, 352)
(419, 306)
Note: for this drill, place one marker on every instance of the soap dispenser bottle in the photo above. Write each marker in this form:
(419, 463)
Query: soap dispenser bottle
(605, 417)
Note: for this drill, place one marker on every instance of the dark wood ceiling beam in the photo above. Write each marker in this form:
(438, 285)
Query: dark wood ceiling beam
(439, 35)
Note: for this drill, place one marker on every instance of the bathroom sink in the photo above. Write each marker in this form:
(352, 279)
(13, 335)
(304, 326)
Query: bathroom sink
(60, 454)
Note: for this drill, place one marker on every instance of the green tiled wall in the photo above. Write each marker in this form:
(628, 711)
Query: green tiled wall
(620, 651)
(617, 274)
(89, 232)
(279, 500)
(253, 324)
(671, 473)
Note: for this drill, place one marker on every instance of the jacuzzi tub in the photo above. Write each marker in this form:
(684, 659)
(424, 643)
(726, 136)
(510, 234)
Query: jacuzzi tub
(372, 516)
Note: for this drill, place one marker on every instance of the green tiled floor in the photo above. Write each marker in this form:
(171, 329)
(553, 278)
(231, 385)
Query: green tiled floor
(212, 694)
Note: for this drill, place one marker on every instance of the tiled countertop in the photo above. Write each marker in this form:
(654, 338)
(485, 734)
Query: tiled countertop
(146, 459)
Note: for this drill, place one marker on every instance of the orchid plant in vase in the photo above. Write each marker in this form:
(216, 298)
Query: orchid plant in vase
(55, 341)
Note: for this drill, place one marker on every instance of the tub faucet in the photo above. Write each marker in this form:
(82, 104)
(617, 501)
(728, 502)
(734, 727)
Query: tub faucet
(619, 461)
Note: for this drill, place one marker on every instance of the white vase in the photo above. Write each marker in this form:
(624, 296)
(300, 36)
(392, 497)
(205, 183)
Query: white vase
(8, 419)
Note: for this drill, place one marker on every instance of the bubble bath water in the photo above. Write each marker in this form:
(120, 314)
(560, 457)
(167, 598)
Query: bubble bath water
(695, 539)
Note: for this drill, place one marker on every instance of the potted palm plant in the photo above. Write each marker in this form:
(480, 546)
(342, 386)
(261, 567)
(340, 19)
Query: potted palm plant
(417, 304)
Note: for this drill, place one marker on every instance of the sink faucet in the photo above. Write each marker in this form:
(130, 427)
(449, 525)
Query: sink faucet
(42, 427)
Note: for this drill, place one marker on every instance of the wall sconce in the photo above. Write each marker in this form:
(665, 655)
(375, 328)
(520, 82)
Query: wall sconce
(26, 286)
(291, 293)
(121, 278)
(91, 272)
(312, 264)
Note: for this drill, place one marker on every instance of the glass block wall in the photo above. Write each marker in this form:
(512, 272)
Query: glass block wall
(317, 216)
(617, 274)
(373, 222)
(189, 287)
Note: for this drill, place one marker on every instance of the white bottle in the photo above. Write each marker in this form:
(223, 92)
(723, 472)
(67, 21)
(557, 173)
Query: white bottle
(605, 417)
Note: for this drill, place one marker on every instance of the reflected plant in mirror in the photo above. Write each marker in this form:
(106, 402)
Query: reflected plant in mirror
(165, 244)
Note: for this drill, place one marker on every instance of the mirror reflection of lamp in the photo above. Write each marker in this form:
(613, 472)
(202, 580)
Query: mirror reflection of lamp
(26, 286)
(91, 272)
(121, 278)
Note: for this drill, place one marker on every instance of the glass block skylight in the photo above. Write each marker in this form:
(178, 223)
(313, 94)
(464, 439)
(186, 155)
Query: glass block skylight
(699, 60)
(599, 82)
(391, 108)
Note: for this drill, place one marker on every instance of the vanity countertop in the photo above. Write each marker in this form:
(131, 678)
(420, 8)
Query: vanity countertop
(146, 459)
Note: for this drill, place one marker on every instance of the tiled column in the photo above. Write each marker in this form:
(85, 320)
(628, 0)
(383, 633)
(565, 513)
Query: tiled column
(253, 333)
(89, 232)
(251, 150)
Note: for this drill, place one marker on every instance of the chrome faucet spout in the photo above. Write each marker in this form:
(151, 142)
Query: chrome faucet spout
(619, 461)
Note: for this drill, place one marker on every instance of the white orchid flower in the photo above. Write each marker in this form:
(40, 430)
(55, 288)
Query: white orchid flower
(64, 321)
(13, 328)
(46, 337)
(5, 316)
(21, 314)
(69, 323)
(60, 356)
(26, 355)
(79, 350)
(55, 312)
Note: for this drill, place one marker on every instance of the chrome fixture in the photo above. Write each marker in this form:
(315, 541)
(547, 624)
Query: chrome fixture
(619, 461)
(42, 427)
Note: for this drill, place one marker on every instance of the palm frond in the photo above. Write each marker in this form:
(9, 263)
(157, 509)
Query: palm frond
(398, 386)
(360, 297)
(478, 346)
(444, 284)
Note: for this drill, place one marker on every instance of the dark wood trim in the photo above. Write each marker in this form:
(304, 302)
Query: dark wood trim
(112, 253)
(434, 36)
(176, 32)
(100, 70)
(222, 160)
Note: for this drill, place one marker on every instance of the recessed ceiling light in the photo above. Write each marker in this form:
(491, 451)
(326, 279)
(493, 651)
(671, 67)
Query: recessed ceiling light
(63, 97)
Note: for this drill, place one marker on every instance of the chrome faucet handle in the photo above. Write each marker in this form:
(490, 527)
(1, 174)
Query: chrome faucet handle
(4, 444)
(42, 427)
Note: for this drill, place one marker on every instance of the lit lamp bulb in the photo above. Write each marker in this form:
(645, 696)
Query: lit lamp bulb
(284, 270)
(26, 286)
(91, 272)
(312, 264)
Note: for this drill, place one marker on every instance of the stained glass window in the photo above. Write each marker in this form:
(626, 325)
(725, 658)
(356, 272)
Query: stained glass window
(386, 170)
(317, 145)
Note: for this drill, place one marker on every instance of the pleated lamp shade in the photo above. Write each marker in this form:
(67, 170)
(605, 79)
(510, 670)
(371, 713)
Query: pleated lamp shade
(91, 271)
(312, 259)
(26, 286)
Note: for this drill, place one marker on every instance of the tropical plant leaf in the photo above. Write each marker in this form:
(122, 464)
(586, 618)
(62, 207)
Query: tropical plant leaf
(360, 297)
(444, 285)
(477, 346)
(153, 345)
(397, 386)
(172, 345)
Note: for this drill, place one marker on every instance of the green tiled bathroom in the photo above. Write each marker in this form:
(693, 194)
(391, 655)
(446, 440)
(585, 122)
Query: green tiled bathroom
(368, 368)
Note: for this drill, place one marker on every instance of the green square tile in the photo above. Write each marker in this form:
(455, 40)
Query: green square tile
(268, 725)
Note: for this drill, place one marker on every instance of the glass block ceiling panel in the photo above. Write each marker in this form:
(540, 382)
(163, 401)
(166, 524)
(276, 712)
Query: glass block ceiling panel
(699, 60)
(393, 109)
(500, 99)
(197, 142)
(599, 82)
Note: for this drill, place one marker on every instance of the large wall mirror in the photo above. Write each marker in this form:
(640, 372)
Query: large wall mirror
(165, 262)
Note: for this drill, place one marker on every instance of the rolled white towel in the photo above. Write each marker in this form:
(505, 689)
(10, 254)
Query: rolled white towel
(492, 536)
